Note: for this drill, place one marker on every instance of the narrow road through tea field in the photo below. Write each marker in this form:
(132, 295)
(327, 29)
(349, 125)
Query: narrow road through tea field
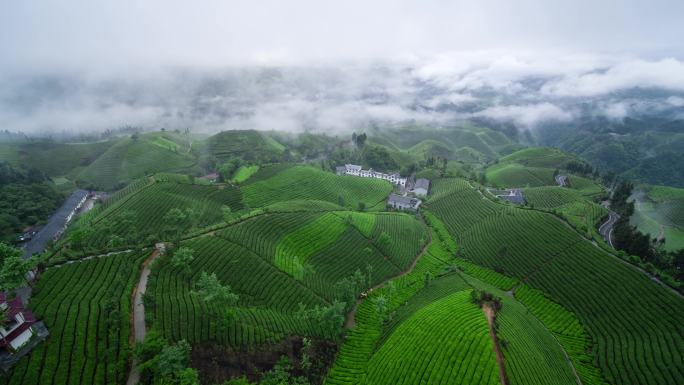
(138, 321)
(491, 315)
(351, 316)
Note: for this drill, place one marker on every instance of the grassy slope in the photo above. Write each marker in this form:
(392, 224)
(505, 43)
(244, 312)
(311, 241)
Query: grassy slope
(244, 172)
(87, 343)
(452, 332)
(659, 211)
(149, 204)
(246, 256)
(245, 144)
(534, 167)
(407, 349)
(600, 289)
(59, 159)
(581, 212)
(129, 159)
(303, 182)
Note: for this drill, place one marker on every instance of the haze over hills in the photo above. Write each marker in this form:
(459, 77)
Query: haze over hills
(366, 193)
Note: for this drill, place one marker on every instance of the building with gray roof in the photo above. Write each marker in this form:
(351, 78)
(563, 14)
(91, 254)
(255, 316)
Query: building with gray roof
(403, 202)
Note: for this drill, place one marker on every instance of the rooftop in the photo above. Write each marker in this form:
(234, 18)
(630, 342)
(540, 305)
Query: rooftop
(422, 183)
(394, 198)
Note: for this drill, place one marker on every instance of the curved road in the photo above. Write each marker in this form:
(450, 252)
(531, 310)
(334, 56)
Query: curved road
(606, 229)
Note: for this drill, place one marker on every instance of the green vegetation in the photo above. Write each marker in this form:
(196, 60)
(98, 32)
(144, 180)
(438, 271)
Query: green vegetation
(582, 213)
(60, 159)
(600, 289)
(540, 157)
(244, 172)
(13, 269)
(141, 215)
(85, 306)
(248, 145)
(390, 343)
(256, 258)
(453, 331)
(259, 267)
(294, 249)
(644, 150)
(132, 158)
(516, 175)
(659, 212)
(26, 199)
(648, 252)
(302, 182)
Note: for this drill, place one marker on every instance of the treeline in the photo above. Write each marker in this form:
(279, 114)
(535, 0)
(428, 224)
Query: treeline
(26, 198)
(581, 168)
(649, 250)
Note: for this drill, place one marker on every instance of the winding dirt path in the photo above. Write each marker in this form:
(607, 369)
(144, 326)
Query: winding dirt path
(138, 316)
(350, 322)
(491, 316)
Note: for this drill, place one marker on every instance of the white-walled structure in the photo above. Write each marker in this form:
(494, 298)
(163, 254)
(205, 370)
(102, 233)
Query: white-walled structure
(18, 328)
(355, 170)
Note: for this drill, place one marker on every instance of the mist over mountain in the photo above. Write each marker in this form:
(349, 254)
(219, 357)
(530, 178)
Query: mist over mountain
(522, 92)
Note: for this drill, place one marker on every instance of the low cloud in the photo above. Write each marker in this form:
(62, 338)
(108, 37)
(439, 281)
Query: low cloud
(667, 74)
(526, 116)
(525, 90)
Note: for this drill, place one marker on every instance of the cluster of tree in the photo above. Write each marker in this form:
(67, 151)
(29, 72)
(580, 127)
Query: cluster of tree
(348, 289)
(26, 198)
(210, 290)
(110, 233)
(329, 318)
(359, 140)
(228, 169)
(161, 363)
(13, 268)
(582, 168)
(481, 297)
(283, 373)
(378, 158)
(121, 230)
(633, 242)
(177, 222)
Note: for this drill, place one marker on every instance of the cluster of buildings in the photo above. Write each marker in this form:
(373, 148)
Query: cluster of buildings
(416, 188)
(19, 331)
(355, 170)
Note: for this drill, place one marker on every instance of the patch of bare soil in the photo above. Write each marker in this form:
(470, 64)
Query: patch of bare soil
(217, 363)
(491, 316)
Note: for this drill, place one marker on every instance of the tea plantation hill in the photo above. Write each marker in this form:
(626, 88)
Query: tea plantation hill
(659, 211)
(470, 290)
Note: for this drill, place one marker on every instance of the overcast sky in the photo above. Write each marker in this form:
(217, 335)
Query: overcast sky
(163, 63)
(93, 34)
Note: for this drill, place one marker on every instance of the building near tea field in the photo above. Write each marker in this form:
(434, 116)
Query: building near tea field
(403, 202)
(421, 187)
(356, 170)
(19, 331)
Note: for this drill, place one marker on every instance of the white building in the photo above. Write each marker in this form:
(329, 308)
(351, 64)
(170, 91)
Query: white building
(355, 170)
(17, 330)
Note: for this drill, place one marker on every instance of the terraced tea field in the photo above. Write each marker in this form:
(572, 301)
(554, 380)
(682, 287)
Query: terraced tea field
(659, 211)
(85, 306)
(131, 159)
(452, 332)
(601, 290)
(256, 258)
(303, 182)
(148, 203)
